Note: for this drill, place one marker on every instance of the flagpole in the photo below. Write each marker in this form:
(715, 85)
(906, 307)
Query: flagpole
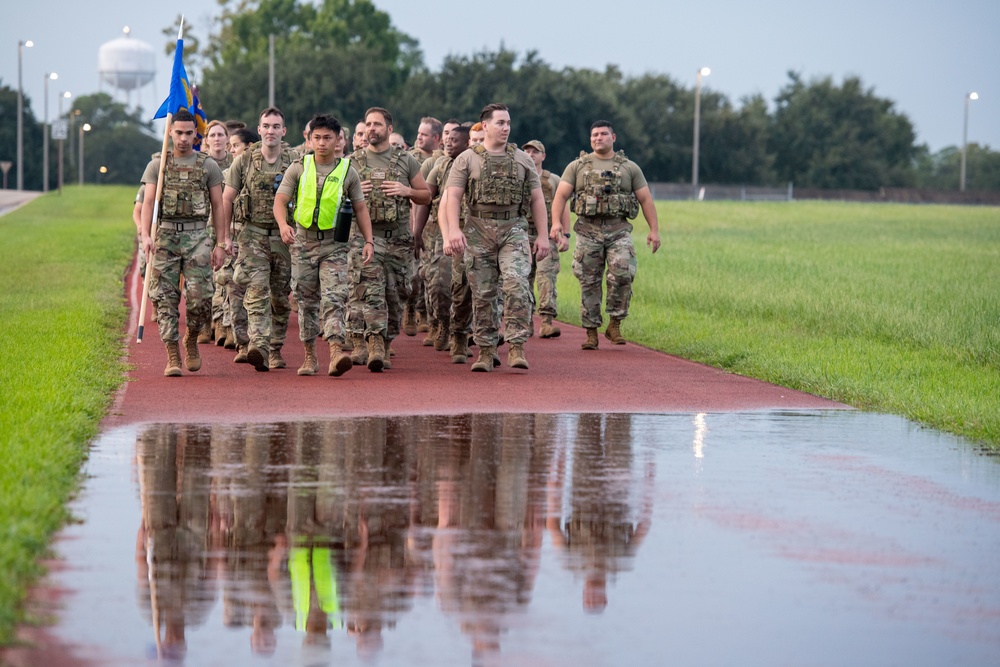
(156, 211)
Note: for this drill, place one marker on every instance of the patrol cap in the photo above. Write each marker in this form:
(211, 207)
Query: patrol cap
(534, 143)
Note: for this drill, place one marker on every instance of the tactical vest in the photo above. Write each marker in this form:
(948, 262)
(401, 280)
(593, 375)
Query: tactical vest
(443, 167)
(421, 158)
(599, 194)
(498, 183)
(381, 207)
(185, 194)
(547, 193)
(321, 213)
(256, 200)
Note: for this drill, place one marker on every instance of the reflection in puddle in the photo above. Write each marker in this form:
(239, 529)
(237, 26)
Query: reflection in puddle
(536, 539)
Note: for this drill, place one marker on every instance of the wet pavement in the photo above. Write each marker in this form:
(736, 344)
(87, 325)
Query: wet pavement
(808, 537)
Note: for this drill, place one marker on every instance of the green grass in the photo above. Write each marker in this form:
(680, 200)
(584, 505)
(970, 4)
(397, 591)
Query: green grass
(61, 337)
(891, 308)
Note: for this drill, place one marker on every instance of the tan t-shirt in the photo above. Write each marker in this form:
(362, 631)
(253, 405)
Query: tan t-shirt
(467, 166)
(212, 177)
(290, 181)
(632, 176)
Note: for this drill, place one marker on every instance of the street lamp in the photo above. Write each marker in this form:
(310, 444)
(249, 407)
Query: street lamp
(965, 139)
(65, 95)
(704, 71)
(45, 137)
(20, 114)
(83, 128)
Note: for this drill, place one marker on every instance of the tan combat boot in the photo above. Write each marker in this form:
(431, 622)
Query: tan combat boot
(422, 324)
(257, 357)
(309, 365)
(241, 355)
(441, 339)
(192, 358)
(205, 335)
(340, 363)
(591, 342)
(484, 364)
(359, 357)
(275, 360)
(376, 353)
(515, 356)
(459, 348)
(230, 342)
(431, 334)
(548, 330)
(220, 334)
(409, 320)
(173, 368)
(614, 332)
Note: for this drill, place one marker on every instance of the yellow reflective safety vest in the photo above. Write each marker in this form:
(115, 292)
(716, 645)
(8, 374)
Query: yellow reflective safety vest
(319, 214)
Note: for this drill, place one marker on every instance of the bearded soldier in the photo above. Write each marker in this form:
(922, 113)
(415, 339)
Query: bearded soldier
(608, 190)
(263, 260)
(391, 181)
(497, 178)
(192, 185)
(426, 150)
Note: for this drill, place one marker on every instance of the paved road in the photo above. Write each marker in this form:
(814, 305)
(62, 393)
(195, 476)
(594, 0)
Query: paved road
(12, 199)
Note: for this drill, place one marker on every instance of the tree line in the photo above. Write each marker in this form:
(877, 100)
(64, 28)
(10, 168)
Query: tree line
(343, 56)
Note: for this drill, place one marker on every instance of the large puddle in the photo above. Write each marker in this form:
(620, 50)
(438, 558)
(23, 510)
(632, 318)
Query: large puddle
(772, 538)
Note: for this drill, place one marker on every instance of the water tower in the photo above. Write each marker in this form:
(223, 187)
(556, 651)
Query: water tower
(126, 64)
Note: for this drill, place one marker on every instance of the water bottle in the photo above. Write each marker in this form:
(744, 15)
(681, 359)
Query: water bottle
(345, 218)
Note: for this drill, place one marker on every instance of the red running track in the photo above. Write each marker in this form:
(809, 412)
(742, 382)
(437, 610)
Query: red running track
(562, 378)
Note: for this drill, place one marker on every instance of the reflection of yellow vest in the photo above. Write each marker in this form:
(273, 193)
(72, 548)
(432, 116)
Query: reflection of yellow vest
(321, 214)
(319, 572)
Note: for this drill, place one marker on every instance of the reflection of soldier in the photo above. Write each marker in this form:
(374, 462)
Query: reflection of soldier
(172, 549)
(599, 536)
(487, 544)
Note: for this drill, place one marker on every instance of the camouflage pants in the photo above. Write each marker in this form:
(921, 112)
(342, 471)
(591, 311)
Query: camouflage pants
(223, 277)
(320, 270)
(461, 296)
(177, 254)
(384, 286)
(545, 275)
(437, 278)
(424, 269)
(355, 314)
(598, 243)
(266, 272)
(498, 257)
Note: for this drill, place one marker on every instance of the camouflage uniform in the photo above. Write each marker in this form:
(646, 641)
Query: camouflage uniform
(183, 246)
(419, 300)
(219, 296)
(547, 270)
(604, 236)
(263, 263)
(439, 269)
(383, 285)
(498, 255)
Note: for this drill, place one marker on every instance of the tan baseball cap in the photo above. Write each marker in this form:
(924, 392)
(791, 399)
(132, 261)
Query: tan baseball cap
(534, 143)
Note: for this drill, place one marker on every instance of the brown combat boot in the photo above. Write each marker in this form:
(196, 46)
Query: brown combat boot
(348, 345)
(340, 363)
(359, 357)
(591, 342)
(255, 356)
(409, 320)
(241, 355)
(173, 368)
(614, 332)
(230, 342)
(484, 364)
(192, 358)
(220, 334)
(422, 324)
(431, 334)
(459, 348)
(274, 359)
(515, 356)
(441, 339)
(309, 365)
(548, 330)
(376, 353)
(205, 335)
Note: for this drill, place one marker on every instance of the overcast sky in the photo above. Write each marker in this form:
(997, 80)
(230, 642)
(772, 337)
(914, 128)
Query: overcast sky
(925, 55)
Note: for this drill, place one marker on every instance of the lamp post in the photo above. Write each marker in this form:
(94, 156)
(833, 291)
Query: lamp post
(83, 128)
(965, 140)
(65, 95)
(45, 137)
(704, 71)
(20, 114)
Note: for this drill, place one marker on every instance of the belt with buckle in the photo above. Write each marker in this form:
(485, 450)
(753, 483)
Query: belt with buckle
(494, 215)
(192, 226)
(389, 232)
(317, 234)
(266, 231)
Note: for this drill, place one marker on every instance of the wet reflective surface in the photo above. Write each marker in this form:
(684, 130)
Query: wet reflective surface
(819, 538)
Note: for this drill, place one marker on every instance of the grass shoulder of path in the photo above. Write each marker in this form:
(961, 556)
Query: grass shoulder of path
(63, 257)
(891, 308)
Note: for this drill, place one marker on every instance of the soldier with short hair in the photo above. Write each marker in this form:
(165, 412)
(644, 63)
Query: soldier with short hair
(192, 188)
(547, 270)
(322, 186)
(497, 179)
(608, 190)
(263, 262)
